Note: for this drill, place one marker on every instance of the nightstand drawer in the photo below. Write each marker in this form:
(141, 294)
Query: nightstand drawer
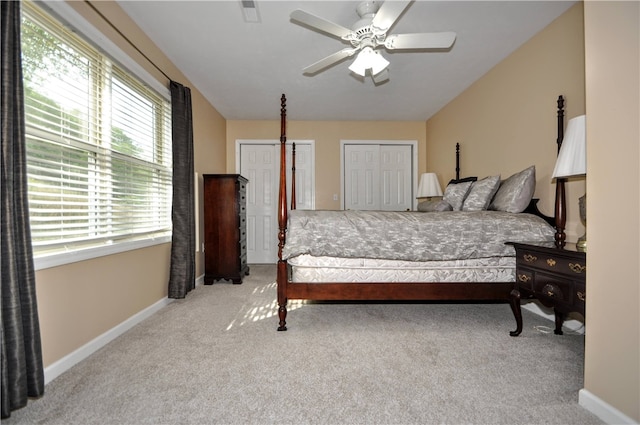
(579, 296)
(524, 278)
(531, 259)
(575, 268)
(548, 288)
(555, 263)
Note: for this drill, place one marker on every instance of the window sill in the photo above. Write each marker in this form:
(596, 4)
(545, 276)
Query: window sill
(59, 259)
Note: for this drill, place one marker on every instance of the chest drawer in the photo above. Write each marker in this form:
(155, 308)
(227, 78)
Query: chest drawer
(554, 290)
(524, 278)
(580, 295)
(554, 262)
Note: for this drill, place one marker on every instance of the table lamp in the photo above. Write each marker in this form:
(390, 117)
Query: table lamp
(429, 186)
(572, 162)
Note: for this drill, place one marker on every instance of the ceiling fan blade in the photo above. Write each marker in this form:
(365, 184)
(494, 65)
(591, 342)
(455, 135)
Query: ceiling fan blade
(430, 40)
(329, 60)
(320, 23)
(388, 13)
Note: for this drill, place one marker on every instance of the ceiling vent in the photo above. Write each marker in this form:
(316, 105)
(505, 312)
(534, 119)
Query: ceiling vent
(250, 11)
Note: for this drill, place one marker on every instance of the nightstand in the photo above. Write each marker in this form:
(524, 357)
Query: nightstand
(554, 276)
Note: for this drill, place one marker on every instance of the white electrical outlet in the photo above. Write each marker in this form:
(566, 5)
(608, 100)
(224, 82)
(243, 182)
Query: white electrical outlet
(335, 196)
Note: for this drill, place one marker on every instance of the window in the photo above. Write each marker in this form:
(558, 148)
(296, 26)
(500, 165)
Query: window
(98, 145)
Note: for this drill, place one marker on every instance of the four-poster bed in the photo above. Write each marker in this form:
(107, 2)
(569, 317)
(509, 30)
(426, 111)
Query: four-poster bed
(422, 257)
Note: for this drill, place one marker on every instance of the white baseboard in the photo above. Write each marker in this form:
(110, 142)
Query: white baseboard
(602, 409)
(586, 399)
(54, 370)
(57, 368)
(573, 325)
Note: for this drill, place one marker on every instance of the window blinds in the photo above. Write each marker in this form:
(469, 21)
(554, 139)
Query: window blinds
(98, 144)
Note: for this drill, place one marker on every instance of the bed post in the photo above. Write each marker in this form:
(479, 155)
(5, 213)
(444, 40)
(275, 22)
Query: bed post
(457, 161)
(293, 176)
(561, 202)
(282, 219)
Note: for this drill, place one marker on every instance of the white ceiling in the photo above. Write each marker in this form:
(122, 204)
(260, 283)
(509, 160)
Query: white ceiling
(243, 68)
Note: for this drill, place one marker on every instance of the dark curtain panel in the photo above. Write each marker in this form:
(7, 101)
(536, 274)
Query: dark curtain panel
(22, 369)
(182, 274)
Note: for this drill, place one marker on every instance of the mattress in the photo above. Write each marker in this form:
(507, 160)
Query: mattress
(311, 269)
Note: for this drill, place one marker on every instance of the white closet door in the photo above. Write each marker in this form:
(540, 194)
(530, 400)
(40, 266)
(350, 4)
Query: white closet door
(362, 177)
(378, 177)
(395, 178)
(260, 163)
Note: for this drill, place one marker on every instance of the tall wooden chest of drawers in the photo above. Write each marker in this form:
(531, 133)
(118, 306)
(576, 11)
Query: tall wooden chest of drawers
(225, 228)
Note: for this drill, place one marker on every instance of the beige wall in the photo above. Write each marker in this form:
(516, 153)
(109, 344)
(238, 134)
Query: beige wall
(506, 121)
(327, 136)
(80, 301)
(612, 355)
(517, 98)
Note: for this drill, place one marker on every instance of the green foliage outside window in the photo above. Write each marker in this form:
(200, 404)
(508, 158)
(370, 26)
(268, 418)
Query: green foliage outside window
(98, 143)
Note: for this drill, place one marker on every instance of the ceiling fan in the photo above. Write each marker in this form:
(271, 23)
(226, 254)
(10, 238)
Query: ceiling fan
(370, 33)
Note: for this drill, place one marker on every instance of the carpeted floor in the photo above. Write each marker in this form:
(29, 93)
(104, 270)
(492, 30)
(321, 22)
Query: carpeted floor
(216, 357)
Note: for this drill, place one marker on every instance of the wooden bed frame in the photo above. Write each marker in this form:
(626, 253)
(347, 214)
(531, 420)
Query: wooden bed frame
(397, 291)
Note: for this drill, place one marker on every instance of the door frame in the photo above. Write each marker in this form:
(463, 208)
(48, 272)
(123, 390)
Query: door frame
(414, 163)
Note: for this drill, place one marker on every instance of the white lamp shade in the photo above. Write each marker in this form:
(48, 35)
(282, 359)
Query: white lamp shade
(368, 59)
(572, 158)
(429, 186)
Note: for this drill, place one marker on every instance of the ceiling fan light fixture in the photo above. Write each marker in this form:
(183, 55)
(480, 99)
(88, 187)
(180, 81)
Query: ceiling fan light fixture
(368, 59)
(369, 33)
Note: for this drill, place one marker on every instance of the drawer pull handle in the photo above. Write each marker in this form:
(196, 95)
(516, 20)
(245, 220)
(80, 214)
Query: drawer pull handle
(582, 296)
(551, 291)
(530, 258)
(577, 268)
(551, 262)
(523, 278)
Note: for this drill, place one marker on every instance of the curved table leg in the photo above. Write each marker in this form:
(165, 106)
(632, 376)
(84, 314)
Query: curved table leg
(559, 322)
(514, 301)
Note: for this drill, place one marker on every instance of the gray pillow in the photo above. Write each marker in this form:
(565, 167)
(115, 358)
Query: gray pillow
(454, 194)
(481, 193)
(516, 192)
(434, 206)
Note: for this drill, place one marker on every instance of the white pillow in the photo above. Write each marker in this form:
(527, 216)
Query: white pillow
(481, 193)
(515, 193)
(455, 193)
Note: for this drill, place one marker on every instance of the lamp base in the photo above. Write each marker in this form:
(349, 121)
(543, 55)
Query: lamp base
(581, 245)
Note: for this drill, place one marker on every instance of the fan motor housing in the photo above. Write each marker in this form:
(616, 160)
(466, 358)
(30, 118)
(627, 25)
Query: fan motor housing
(365, 34)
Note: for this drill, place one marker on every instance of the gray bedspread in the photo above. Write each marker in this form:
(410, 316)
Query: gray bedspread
(411, 236)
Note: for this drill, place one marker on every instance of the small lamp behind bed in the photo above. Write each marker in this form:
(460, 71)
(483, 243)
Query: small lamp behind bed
(429, 186)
